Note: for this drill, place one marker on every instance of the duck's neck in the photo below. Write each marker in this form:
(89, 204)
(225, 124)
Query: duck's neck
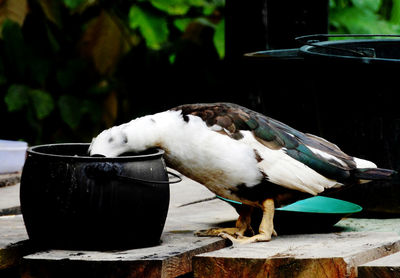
(204, 155)
(157, 130)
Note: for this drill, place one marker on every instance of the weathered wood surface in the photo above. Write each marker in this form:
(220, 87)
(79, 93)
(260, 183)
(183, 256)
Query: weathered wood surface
(13, 241)
(369, 225)
(9, 200)
(171, 259)
(354, 242)
(386, 267)
(313, 255)
(10, 179)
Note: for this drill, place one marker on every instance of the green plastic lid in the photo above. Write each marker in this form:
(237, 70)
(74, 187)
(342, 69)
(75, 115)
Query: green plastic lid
(317, 204)
(321, 204)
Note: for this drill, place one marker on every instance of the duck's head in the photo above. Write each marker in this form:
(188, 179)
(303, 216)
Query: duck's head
(135, 136)
(111, 142)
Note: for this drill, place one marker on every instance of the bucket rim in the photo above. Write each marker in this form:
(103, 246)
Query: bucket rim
(306, 50)
(36, 150)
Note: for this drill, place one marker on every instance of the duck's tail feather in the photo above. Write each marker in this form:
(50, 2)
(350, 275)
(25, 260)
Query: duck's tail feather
(375, 174)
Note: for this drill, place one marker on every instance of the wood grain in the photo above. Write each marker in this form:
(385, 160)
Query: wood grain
(386, 267)
(317, 255)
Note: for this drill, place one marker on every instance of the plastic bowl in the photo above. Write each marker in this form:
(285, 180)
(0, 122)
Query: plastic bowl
(12, 156)
(315, 214)
(321, 204)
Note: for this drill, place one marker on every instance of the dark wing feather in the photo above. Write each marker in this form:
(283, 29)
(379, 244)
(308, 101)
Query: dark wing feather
(276, 135)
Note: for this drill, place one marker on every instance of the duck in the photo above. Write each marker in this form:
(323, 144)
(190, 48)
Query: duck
(241, 155)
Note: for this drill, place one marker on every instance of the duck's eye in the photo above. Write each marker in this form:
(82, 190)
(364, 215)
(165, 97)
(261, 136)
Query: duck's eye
(110, 140)
(124, 138)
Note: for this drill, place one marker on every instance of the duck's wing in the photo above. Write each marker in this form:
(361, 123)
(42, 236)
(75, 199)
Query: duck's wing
(317, 153)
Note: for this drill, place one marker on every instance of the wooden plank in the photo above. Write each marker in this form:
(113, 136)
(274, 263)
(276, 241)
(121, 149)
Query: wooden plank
(312, 255)
(170, 259)
(10, 179)
(386, 267)
(13, 241)
(9, 200)
(369, 225)
(289, 255)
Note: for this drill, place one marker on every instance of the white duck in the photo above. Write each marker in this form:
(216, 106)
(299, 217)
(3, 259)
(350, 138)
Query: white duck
(241, 155)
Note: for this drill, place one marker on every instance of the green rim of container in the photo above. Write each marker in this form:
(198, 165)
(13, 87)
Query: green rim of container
(317, 204)
(321, 204)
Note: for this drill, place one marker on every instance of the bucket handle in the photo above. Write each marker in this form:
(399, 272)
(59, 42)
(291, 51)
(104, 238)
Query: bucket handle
(178, 179)
(313, 40)
(110, 170)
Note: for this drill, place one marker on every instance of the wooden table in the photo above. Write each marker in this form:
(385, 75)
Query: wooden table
(350, 250)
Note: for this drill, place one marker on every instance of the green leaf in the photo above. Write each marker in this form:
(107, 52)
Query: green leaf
(395, 15)
(209, 9)
(16, 97)
(172, 7)
(361, 21)
(154, 29)
(42, 102)
(182, 23)
(13, 10)
(182, 7)
(172, 58)
(201, 3)
(70, 110)
(205, 21)
(73, 4)
(372, 5)
(52, 11)
(219, 38)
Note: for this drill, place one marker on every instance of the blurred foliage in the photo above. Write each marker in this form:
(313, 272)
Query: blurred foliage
(364, 16)
(68, 68)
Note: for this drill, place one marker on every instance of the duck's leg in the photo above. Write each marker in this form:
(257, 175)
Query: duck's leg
(266, 230)
(242, 225)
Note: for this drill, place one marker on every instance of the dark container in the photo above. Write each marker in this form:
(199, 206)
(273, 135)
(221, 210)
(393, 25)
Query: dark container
(356, 90)
(70, 200)
(346, 92)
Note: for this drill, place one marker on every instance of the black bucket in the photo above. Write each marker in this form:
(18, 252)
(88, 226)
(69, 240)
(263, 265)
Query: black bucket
(355, 84)
(384, 52)
(70, 200)
(345, 91)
